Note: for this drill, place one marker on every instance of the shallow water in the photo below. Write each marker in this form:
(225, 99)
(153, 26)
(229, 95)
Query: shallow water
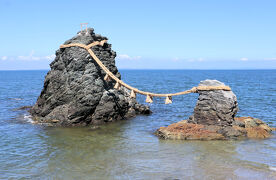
(129, 149)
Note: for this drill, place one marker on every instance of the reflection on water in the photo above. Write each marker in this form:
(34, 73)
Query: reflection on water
(126, 149)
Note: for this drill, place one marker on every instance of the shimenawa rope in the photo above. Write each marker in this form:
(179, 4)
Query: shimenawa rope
(149, 99)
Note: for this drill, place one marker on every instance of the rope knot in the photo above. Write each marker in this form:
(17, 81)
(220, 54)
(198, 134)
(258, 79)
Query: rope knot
(194, 90)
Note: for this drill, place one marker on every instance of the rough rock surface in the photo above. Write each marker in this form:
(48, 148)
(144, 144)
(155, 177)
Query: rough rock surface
(214, 119)
(215, 107)
(248, 128)
(75, 92)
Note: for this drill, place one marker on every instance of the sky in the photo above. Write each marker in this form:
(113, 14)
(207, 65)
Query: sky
(184, 34)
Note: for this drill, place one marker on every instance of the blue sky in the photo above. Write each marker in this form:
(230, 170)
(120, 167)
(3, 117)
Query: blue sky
(199, 34)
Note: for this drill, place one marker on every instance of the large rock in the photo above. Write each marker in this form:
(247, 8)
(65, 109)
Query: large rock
(75, 92)
(217, 107)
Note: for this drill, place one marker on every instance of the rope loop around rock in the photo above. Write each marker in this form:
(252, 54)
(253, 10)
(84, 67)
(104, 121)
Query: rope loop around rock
(149, 96)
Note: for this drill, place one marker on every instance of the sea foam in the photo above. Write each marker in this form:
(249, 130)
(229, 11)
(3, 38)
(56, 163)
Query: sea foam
(28, 118)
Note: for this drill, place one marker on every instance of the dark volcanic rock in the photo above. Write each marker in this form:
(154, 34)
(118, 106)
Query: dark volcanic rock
(75, 92)
(217, 107)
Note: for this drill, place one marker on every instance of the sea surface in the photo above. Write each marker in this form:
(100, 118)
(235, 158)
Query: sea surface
(129, 149)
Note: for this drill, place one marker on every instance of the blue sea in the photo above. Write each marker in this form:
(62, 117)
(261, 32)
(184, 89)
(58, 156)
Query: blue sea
(129, 149)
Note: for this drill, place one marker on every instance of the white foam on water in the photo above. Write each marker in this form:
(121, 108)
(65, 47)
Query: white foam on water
(17, 99)
(28, 118)
(272, 168)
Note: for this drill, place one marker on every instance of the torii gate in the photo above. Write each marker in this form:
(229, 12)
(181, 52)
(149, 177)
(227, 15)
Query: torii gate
(85, 26)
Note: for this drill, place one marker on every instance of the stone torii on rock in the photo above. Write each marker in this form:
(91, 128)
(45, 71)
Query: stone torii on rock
(84, 24)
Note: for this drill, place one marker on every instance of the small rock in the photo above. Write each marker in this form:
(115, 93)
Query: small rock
(217, 107)
(188, 131)
(257, 132)
(214, 119)
(231, 133)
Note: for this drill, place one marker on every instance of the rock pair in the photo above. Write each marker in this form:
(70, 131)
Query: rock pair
(76, 94)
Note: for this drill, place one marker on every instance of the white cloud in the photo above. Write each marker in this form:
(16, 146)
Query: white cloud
(124, 56)
(50, 57)
(127, 57)
(31, 57)
(244, 59)
(176, 59)
(196, 59)
(4, 58)
(200, 59)
(270, 59)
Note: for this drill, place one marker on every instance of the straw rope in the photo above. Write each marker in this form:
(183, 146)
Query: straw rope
(150, 95)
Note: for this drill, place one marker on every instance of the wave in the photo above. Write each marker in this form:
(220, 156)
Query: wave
(16, 99)
(28, 118)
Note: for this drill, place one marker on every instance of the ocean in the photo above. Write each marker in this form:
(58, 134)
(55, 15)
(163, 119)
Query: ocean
(129, 149)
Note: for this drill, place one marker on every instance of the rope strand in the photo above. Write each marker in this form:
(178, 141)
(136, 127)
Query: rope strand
(109, 75)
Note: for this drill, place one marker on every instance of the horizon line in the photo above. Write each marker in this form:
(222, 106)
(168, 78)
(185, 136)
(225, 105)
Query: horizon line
(143, 69)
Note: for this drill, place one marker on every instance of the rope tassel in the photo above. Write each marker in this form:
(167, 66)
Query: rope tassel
(133, 94)
(117, 86)
(168, 100)
(149, 99)
(107, 77)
